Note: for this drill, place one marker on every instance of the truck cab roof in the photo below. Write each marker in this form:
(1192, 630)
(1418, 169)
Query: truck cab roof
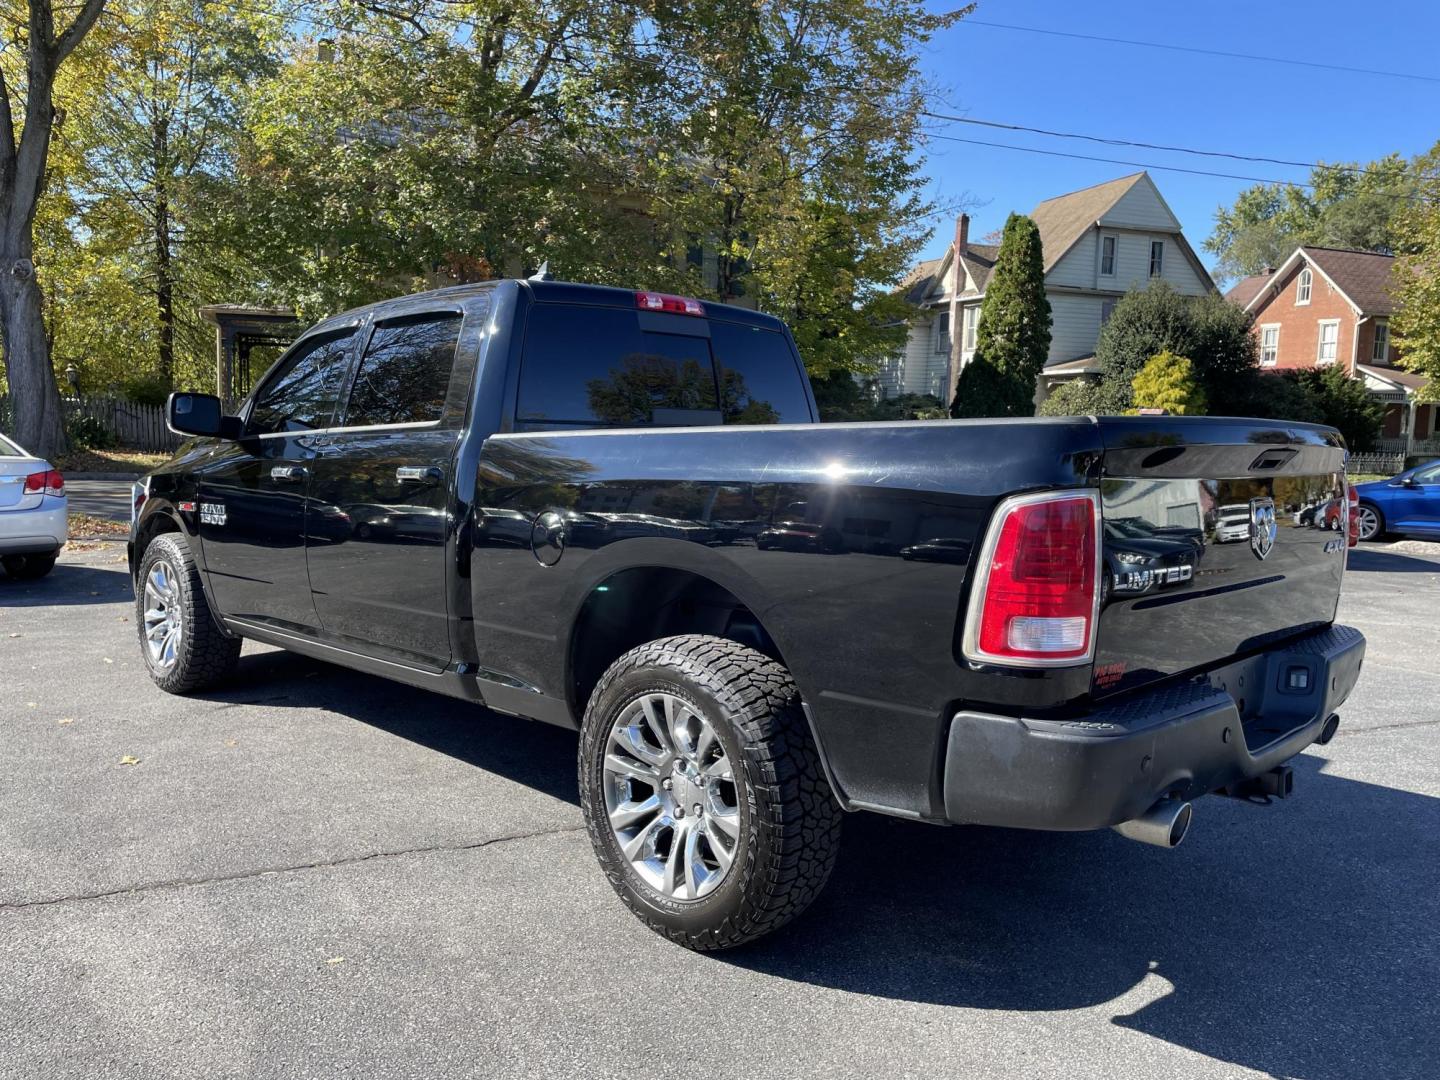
(540, 292)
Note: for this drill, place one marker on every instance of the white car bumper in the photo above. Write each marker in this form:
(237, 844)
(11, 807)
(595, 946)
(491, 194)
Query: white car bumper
(38, 531)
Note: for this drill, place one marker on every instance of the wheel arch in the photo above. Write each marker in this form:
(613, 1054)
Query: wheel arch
(652, 591)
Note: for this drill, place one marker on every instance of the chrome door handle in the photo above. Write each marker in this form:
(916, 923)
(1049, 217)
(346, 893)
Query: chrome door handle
(414, 474)
(289, 472)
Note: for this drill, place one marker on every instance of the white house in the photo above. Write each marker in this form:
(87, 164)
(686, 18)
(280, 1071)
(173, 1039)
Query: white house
(1098, 243)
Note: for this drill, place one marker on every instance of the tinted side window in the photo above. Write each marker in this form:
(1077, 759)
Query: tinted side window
(595, 366)
(405, 373)
(759, 376)
(302, 395)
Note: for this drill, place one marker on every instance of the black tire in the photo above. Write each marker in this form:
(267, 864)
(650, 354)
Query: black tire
(205, 655)
(789, 819)
(29, 567)
(1379, 533)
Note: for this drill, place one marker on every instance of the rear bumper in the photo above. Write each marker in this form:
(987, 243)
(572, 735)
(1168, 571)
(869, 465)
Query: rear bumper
(1110, 766)
(34, 532)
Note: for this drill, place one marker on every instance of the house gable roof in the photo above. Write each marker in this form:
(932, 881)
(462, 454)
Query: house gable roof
(1064, 219)
(1247, 288)
(1363, 278)
(921, 280)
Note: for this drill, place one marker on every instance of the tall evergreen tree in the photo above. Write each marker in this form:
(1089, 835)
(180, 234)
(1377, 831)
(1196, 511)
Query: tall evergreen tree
(1013, 338)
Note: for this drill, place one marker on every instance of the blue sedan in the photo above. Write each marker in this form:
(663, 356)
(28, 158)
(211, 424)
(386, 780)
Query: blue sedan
(1408, 503)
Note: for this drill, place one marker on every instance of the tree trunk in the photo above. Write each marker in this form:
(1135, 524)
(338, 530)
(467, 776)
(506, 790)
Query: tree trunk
(37, 415)
(164, 277)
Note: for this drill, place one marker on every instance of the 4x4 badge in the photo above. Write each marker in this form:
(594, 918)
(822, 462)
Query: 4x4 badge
(1262, 526)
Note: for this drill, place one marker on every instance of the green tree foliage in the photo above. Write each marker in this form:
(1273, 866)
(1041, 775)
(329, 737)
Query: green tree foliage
(841, 398)
(1344, 403)
(1214, 334)
(30, 63)
(1013, 337)
(787, 145)
(1417, 321)
(1086, 397)
(1168, 382)
(1344, 205)
(134, 244)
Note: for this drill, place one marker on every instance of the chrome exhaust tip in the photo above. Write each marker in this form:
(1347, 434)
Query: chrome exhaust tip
(1332, 723)
(1165, 824)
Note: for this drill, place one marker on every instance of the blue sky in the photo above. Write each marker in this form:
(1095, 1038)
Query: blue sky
(1160, 96)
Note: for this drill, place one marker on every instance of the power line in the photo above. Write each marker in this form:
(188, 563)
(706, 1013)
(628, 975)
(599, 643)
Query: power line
(1205, 52)
(1357, 169)
(1112, 161)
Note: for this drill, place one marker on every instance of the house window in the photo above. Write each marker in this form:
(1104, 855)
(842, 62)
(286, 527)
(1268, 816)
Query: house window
(1381, 352)
(942, 333)
(1107, 256)
(1329, 341)
(1107, 308)
(972, 321)
(1302, 287)
(1269, 346)
(1157, 257)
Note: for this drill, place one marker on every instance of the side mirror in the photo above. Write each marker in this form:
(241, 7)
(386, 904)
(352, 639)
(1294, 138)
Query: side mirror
(200, 414)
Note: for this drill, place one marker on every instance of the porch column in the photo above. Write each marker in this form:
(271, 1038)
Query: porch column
(1409, 424)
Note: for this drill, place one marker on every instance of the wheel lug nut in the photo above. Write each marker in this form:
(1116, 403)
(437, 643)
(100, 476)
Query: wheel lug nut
(665, 783)
(699, 809)
(679, 811)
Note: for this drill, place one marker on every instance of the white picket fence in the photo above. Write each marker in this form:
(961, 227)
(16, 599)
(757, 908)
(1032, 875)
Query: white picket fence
(135, 427)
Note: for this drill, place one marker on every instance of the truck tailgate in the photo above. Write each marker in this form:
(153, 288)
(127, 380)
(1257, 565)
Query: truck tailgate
(1220, 537)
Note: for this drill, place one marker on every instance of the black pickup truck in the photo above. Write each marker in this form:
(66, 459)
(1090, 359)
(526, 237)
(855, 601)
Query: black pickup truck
(617, 512)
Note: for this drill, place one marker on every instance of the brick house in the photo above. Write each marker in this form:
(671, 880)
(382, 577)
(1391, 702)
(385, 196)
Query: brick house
(1098, 243)
(1326, 306)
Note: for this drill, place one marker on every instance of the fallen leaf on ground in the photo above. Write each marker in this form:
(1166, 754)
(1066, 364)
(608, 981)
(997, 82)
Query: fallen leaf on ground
(108, 660)
(14, 635)
(232, 742)
(66, 720)
(128, 760)
(336, 960)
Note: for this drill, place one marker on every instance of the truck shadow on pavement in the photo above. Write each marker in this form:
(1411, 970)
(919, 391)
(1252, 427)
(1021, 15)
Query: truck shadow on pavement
(68, 585)
(1297, 939)
(1390, 562)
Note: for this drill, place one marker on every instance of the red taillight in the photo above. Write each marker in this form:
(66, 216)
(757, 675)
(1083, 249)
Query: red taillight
(676, 305)
(51, 482)
(1034, 599)
(1352, 499)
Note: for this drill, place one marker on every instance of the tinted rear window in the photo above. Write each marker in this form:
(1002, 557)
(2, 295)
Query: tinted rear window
(597, 367)
(759, 377)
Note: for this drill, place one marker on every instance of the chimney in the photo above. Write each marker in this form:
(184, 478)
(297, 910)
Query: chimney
(962, 234)
(1266, 271)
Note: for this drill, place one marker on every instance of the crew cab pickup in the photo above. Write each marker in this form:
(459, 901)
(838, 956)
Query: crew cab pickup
(618, 512)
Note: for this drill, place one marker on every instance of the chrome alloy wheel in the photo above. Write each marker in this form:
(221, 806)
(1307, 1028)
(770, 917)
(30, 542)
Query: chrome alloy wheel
(1369, 523)
(671, 796)
(163, 627)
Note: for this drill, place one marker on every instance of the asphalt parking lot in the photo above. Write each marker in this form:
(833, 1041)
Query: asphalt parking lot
(314, 872)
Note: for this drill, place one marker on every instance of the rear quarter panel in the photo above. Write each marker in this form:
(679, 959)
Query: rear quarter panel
(865, 616)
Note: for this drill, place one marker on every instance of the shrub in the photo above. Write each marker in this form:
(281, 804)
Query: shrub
(88, 433)
(1168, 382)
(1086, 397)
(146, 390)
(1271, 395)
(1344, 403)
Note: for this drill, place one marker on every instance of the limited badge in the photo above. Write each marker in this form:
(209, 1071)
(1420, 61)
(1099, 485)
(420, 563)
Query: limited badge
(212, 513)
(1263, 528)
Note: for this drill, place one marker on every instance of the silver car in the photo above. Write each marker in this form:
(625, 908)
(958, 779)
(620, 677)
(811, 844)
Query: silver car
(33, 525)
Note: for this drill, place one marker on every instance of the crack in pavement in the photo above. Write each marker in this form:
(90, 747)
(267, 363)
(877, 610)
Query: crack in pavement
(1385, 727)
(246, 875)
